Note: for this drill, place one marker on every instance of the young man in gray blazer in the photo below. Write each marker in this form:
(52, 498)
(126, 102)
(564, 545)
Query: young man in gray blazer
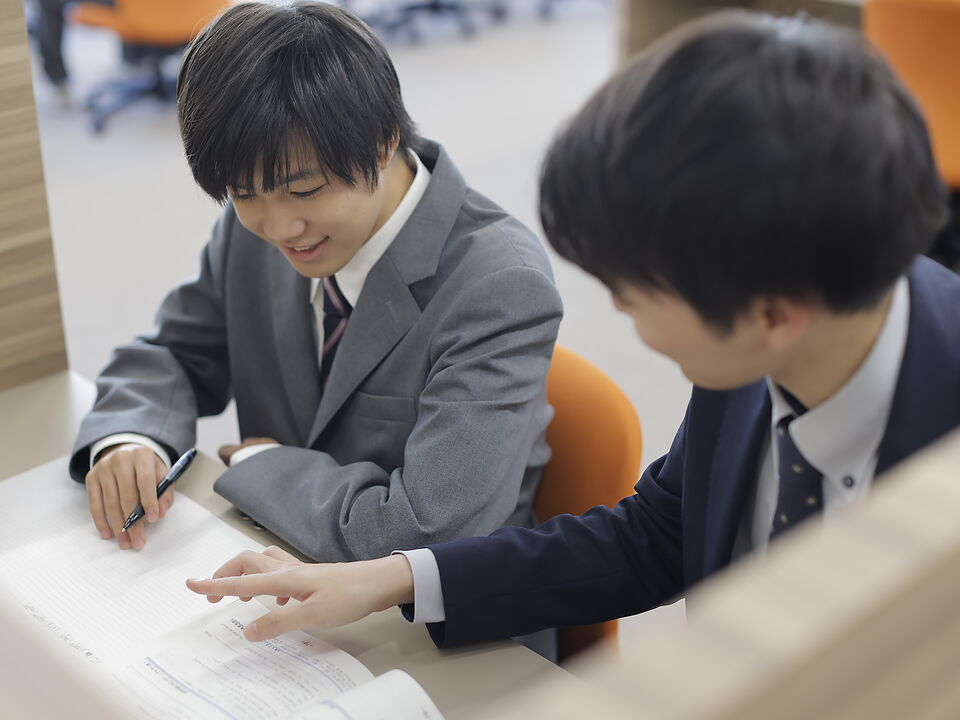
(385, 330)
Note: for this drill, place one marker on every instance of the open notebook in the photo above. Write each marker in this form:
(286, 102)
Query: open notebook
(125, 624)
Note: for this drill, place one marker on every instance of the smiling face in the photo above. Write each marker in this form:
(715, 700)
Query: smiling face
(318, 223)
(274, 102)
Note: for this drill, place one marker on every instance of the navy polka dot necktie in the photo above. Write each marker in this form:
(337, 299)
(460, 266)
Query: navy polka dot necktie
(801, 484)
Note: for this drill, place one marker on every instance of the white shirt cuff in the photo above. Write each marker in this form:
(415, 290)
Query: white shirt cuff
(123, 438)
(427, 591)
(248, 452)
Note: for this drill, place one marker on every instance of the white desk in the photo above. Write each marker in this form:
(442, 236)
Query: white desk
(39, 420)
(460, 681)
(38, 423)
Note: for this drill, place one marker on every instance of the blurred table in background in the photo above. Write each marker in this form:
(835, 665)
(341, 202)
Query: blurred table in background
(643, 21)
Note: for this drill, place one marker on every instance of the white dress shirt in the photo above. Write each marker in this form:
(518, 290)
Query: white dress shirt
(350, 279)
(840, 437)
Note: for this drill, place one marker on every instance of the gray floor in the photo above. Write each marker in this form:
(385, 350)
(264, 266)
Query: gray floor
(128, 221)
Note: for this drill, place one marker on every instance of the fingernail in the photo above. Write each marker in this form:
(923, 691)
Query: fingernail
(152, 516)
(251, 632)
(106, 534)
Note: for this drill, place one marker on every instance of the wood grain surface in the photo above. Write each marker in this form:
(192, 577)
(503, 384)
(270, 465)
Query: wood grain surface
(31, 331)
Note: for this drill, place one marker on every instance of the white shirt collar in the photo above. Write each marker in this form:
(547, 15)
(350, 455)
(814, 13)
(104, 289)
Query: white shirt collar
(351, 276)
(842, 435)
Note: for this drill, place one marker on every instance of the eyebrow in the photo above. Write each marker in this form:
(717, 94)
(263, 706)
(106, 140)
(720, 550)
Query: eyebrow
(302, 175)
(282, 181)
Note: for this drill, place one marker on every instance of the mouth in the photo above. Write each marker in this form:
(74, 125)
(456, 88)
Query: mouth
(305, 253)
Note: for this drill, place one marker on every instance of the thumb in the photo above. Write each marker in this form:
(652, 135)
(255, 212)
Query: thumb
(279, 621)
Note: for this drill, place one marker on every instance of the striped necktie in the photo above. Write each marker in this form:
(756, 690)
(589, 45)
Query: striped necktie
(336, 312)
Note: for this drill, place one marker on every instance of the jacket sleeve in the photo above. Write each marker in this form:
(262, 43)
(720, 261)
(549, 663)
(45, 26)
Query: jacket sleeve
(481, 413)
(572, 570)
(161, 382)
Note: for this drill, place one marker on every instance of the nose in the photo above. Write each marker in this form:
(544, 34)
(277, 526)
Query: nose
(282, 227)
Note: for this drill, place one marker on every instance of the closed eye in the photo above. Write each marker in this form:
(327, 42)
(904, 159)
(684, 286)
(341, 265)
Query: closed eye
(309, 193)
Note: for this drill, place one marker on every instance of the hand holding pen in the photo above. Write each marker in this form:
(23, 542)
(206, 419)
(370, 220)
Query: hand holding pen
(179, 467)
(122, 476)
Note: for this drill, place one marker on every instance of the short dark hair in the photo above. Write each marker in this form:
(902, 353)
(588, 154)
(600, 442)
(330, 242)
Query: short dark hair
(743, 156)
(264, 82)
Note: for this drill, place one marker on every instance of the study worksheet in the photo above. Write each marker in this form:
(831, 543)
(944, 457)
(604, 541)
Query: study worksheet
(99, 601)
(207, 669)
(126, 622)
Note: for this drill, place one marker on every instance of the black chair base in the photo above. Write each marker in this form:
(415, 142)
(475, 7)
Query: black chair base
(115, 95)
(403, 19)
(546, 8)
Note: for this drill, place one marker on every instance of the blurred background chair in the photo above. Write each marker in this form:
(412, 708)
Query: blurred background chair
(597, 446)
(547, 8)
(921, 39)
(395, 17)
(150, 31)
(405, 16)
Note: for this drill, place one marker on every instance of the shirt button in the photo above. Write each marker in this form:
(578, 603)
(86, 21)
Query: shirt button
(849, 482)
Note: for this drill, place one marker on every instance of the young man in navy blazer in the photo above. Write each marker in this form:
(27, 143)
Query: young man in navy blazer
(756, 193)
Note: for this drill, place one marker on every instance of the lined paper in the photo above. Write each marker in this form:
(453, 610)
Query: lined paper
(98, 600)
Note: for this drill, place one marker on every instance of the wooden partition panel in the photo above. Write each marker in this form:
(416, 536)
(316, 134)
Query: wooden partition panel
(31, 332)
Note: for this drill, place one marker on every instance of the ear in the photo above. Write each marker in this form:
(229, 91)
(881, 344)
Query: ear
(387, 156)
(784, 320)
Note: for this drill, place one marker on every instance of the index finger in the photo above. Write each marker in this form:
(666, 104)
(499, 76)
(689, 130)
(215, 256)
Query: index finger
(270, 583)
(145, 468)
(246, 563)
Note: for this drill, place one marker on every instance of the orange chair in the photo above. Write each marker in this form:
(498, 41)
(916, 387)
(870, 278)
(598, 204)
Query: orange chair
(921, 40)
(150, 30)
(596, 442)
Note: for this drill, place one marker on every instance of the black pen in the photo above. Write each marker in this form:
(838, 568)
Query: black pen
(173, 474)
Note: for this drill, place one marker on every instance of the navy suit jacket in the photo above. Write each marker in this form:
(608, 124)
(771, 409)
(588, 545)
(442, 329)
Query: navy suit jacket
(680, 526)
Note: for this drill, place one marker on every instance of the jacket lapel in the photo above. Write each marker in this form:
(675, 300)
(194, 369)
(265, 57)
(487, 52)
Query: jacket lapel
(295, 341)
(925, 403)
(744, 427)
(384, 313)
(386, 309)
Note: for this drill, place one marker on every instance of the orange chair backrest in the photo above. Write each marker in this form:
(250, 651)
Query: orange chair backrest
(597, 446)
(921, 39)
(152, 22)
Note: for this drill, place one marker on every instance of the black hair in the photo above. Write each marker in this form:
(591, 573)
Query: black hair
(263, 86)
(743, 156)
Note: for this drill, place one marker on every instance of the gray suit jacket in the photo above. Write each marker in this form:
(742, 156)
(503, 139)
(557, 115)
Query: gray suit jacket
(431, 426)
